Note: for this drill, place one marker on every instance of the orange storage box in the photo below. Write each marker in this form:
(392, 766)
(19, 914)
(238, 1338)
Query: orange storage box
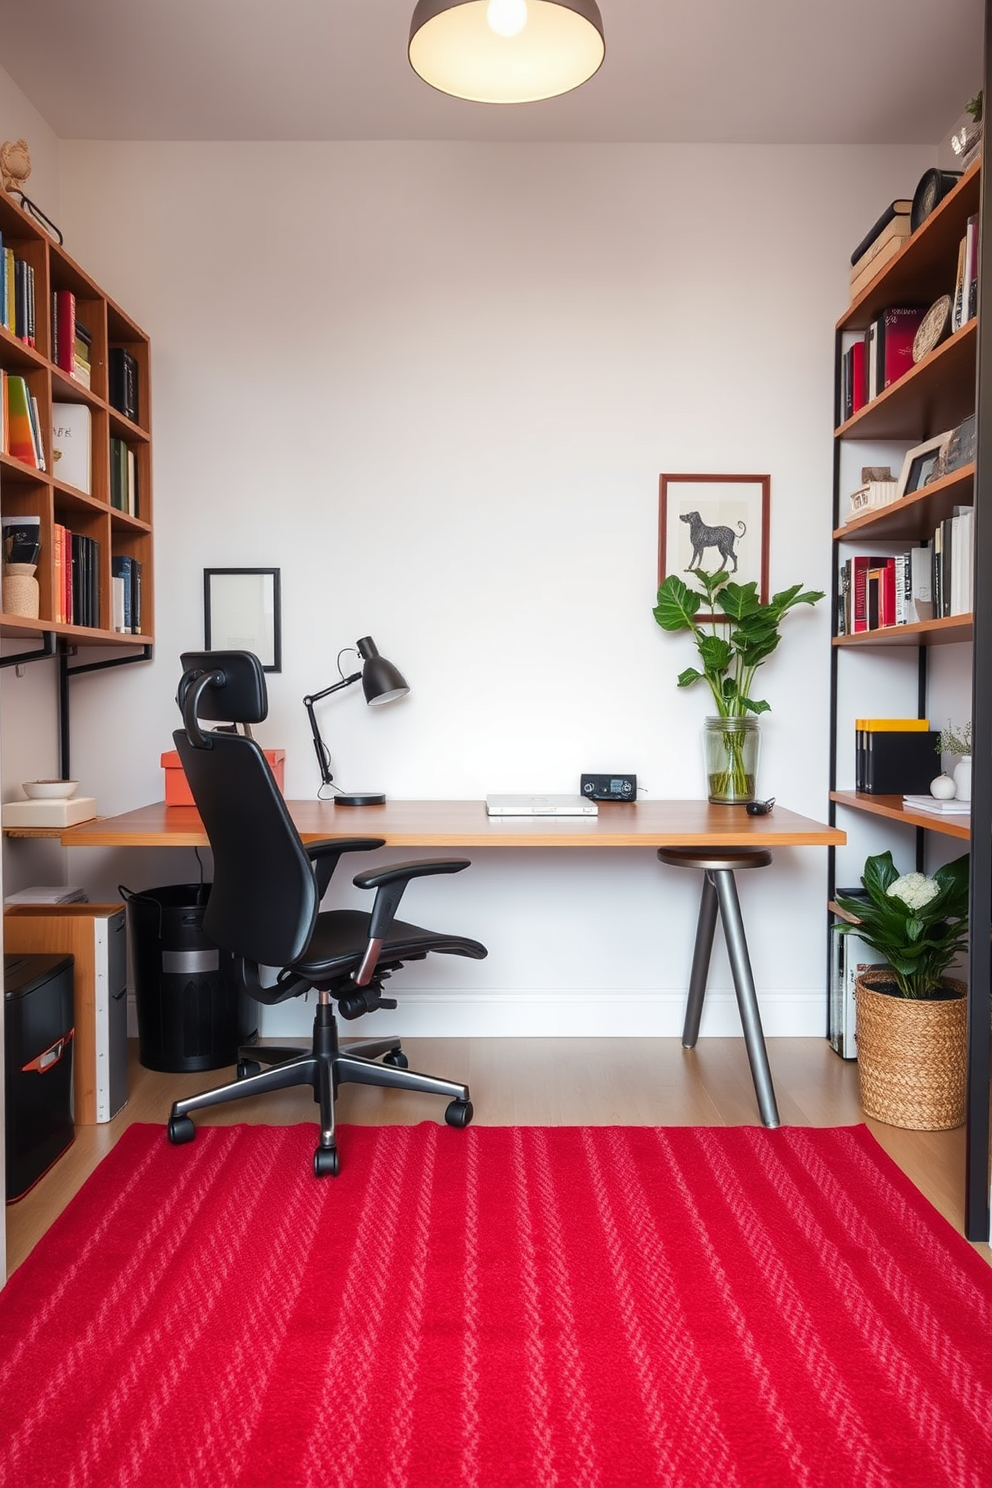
(177, 791)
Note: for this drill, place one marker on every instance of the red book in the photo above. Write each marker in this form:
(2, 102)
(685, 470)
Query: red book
(897, 329)
(65, 329)
(881, 597)
(859, 381)
(859, 591)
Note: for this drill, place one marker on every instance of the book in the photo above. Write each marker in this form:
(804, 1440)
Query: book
(72, 444)
(895, 762)
(120, 569)
(854, 393)
(901, 207)
(123, 382)
(874, 262)
(20, 433)
(881, 595)
(957, 298)
(859, 591)
(941, 808)
(892, 725)
(64, 329)
(890, 345)
(921, 584)
(39, 446)
(971, 268)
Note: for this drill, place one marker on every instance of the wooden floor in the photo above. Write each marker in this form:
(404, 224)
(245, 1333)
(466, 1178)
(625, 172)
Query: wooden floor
(541, 1082)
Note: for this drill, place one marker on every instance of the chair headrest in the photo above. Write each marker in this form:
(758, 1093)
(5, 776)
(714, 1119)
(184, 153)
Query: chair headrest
(226, 686)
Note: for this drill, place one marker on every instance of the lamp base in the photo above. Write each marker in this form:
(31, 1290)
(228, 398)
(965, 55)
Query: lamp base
(363, 798)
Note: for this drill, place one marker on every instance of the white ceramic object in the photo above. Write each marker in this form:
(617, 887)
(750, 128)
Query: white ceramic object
(943, 788)
(50, 790)
(962, 778)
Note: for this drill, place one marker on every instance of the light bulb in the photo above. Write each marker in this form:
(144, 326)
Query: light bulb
(506, 17)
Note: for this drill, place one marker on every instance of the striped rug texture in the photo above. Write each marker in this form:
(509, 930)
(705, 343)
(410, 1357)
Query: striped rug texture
(506, 1307)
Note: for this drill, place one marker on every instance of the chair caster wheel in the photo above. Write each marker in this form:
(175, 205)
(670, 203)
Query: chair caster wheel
(248, 1067)
(397, 1059)
(459, 1113)
(326, 1163)
(181, 1130)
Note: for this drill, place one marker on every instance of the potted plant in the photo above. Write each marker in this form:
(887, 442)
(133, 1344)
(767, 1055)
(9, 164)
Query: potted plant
(731, 650)
(955, 740)
(911, 1016)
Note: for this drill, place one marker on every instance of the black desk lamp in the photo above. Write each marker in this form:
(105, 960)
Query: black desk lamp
(381, 683)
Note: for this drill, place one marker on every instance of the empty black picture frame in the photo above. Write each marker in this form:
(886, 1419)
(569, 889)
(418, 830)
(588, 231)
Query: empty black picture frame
(242, 612)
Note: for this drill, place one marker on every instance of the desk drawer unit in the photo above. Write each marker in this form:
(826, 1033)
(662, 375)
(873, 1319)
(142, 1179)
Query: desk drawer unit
(38, 1030)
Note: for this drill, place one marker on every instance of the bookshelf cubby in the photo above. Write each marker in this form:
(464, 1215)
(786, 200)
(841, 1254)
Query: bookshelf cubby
(25, 490)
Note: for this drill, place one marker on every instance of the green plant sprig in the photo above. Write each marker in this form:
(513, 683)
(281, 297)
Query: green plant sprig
(954, 740)
(919, 944)
(730, 652)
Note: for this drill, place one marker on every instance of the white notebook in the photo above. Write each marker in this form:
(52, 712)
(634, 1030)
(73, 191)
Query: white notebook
(540, 806)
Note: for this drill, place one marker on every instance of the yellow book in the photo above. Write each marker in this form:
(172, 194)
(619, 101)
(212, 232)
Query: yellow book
(890, 725)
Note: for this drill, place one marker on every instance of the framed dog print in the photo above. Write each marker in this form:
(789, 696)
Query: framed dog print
(718, 523)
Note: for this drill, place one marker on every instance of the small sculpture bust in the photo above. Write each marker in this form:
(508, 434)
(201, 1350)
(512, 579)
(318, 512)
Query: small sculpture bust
(15, 164)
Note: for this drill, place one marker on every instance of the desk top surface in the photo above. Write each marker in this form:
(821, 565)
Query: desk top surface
(465, 824)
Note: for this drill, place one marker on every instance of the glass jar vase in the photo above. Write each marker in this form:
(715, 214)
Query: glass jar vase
(730, 758)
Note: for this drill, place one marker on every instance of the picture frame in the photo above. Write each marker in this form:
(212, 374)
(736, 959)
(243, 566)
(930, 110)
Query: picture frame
(730, 510)
(919, 466)
(242, 612)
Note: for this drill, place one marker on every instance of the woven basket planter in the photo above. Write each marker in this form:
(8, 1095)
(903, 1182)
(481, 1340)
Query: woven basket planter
(912, 1055)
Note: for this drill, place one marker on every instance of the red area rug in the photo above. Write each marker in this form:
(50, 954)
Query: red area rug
(499, 1308)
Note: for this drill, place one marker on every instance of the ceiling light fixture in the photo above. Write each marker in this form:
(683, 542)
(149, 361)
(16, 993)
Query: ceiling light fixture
(506, 51)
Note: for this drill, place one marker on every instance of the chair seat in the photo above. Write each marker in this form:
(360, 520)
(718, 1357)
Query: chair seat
(724, 858)
(341, 935)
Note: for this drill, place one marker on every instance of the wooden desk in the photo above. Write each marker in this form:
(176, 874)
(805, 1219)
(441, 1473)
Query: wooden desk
(648, 824)
(464, 824)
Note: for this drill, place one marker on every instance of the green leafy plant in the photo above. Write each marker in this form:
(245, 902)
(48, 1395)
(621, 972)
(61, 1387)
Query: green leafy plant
(954, 740)
(918, 924)
(731, 651)
(974, 108)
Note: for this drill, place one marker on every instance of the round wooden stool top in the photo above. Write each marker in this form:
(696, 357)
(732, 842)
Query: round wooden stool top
(726, 857)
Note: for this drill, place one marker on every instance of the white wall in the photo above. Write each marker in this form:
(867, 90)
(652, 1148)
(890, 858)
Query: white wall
(435, 385)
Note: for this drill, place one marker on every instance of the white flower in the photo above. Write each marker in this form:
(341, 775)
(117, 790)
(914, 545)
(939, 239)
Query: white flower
(914, 889)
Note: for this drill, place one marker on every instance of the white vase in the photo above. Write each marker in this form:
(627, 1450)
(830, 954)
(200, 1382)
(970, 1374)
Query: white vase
(962, 778)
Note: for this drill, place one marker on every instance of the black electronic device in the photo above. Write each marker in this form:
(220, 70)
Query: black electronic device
(760, 808)
(609, 787)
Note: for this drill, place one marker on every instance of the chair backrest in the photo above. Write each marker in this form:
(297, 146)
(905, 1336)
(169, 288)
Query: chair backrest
(264, 901)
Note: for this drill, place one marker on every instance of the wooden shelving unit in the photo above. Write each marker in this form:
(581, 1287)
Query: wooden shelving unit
(934, 396)
(26, 491)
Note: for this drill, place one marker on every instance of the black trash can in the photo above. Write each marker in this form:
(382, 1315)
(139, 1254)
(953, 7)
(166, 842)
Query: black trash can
(191, 1015)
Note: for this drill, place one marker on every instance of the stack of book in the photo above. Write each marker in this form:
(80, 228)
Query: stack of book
(895, 756)
(71, 340)
(881, 242)
(125, 594)
(17, 295)
(124, 382)
(934, 581)
(939, 808)
(21, 421)
(964, 305)
(123, 477)
(77, 577)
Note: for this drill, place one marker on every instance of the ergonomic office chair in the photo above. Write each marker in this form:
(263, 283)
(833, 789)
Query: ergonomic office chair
(264, 908)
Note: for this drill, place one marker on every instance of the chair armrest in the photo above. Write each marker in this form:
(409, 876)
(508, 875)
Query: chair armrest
(326, 854)
(390, 883)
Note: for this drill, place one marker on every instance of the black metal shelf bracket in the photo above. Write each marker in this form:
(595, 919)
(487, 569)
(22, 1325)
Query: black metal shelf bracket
(21, 658)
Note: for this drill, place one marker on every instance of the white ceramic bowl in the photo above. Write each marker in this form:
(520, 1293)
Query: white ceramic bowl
(50, 790)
